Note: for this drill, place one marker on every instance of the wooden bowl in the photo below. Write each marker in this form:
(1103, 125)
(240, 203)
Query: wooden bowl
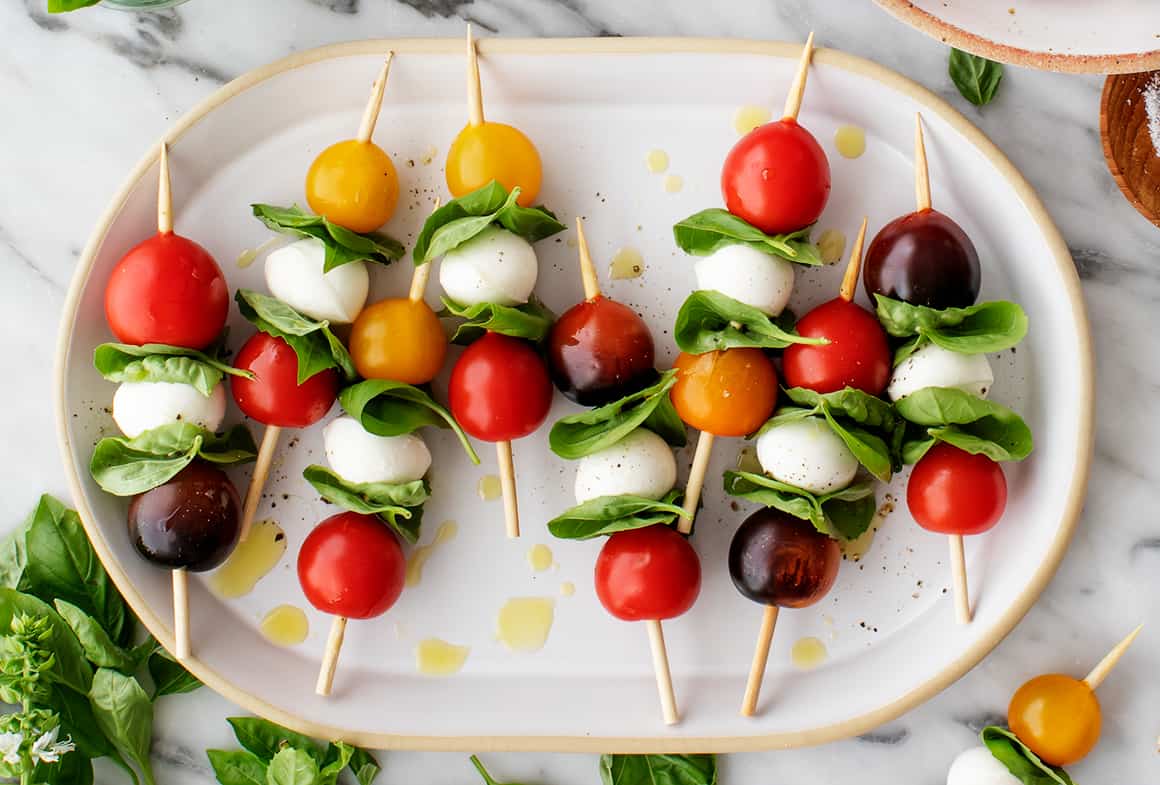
(1128, 147)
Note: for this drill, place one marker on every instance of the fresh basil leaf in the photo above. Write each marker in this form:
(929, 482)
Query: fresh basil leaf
(77, 721)
(342, 245)
(1023, 764)
(711, 230)
(531, 321)
(264, 738)
(976, 77)
(292, 766)
(62, 6)
(844, 513)
(315, 345)
(709, 320)
(237, 767)
(127, 467)
(169, 676)
(71, 668)
(388, 408)
(981, 328)
(399, 505)
(13, 558)
(98, 647)
(849, 404)
(125, 715)
(973, 424)
(461, 219)
(845, 411)
(70, 769)
(364, 766)
(610, 514)
(870, 449)
(582, 434)
(658, 769)
(667, 424)
(158, 362)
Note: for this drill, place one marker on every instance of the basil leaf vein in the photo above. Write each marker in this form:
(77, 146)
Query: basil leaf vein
(397, 504)
(582, 434)
(531, 321)
(127, 467)
(315, 345)
(156, 362)
(709, 320)
(971, 423)
(342, 245)
(710, 230)
(610, 514)
(389, 408)
(844, 513)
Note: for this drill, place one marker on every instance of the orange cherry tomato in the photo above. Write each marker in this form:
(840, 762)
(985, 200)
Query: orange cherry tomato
(494, 151)
(353, 184)
(1057, 716)
(725, 393)
(400, 340)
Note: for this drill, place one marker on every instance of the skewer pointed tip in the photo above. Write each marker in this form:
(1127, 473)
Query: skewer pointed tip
(370, 116)
(854, 266)
(921, 170)
(587, 268)
(793, 101)
(474, 90)
(1101, 671)
(164, 191)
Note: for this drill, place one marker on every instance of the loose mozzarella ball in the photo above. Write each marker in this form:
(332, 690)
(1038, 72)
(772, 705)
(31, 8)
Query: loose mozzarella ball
(640, 464)
(977, 766)
(934, 366)
(358, 456)
(495, 266)
(141, 406)
(807, 454)
(747, 275)
(294, 275)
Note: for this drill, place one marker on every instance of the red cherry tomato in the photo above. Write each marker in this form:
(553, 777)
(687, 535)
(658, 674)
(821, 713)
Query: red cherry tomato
(954, 492)
(168, 290)
(499, 389)
(351, 565)
(274, 396)
(857, 354)
(647, 574)
(776, 177)
(599, 351)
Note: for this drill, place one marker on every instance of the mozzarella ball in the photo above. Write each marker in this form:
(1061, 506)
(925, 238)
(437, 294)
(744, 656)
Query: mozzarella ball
(495, 266)
(977, 766)
(807, 454)
(934, 366)
(747, 275)
(294, 275)
(141, 406)
(358, 456)
(641, 464)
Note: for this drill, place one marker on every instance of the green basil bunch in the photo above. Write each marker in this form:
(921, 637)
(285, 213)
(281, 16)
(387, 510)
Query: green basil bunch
(127, 467)
(710, 230)
(582, 434)
(158, 362)
(388, 408)
(844, 513)
(658, 770)
(314, 343)
(973, 424)
(531, 321)
(342, 245)
(709, 320)
(273, 755)
(982, 328)
(611, 514)
(1023, 764)
(456, 222)
(399, 505)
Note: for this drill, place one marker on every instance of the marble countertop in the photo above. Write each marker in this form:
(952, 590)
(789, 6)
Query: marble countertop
(85, 94)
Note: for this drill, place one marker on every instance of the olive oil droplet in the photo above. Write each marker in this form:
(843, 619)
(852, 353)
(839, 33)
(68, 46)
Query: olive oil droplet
(285, 625)
(445, 533)
(429, 154)
(746, 118)
(808, 653)
(540, 558)
(489, 488)
(626, 263)
(251, 560)
(657, 161)
(523, 623)
(831, 245)
(567, 589)
(850, 141)
(857, 548)
(434, 657)
(673, 183)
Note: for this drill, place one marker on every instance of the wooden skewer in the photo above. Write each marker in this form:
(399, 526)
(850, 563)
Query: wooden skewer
(258, 481)
(421, 275)
(164, 193)
(853, 267)
(182, 649)
(474, 91)
(507, 481)
(370, 116)
(760, 656)
(959, 579)
(330, 656)
(696, 480)
(1101, 671)
(660, 658)
(587, 269)
(921, 171)
(793, 101)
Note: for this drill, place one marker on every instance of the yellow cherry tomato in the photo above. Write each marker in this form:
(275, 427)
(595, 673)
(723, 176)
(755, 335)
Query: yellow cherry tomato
(1057, 716)
(400, 340)
(494, 151)
(353, 184)
(725, 393)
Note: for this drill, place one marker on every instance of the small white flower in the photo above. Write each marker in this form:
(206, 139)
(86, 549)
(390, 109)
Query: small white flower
(47, 749)
(10, 747)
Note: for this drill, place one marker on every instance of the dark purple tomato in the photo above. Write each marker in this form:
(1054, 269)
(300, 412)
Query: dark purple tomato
(600, 351)
(777, 559)
(923, 258)
(192, 521)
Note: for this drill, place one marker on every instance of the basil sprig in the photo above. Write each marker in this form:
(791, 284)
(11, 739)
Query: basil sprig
(710, 230)
(658, 770)
(313, 342)
(342, 245)
(582, 434)
(611, 514)
(709, 320)
(400, 505)
(456, 222)
(531, 321)
(388, 408)
(966, 421)
(976, 77)
(981, 328)
(1023, 764)
(126, 467)
(158, 362)
(845, 513)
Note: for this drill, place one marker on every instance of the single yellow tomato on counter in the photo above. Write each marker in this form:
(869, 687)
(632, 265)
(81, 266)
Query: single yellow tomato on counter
(1057, 716)
(398, 339)
(494, 151)
(353, 184)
